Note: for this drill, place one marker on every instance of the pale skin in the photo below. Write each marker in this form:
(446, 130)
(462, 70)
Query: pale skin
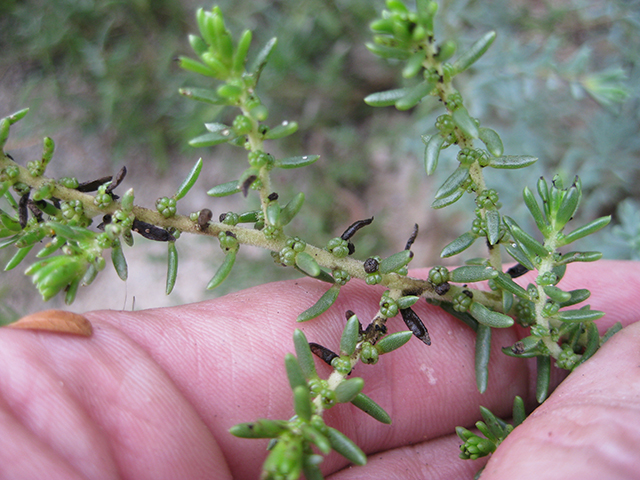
(152, 393)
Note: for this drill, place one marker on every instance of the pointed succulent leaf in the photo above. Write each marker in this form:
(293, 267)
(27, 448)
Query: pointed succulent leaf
(472, 273)
(189, 181)
(582, 315)
(240, 55)
(579, 257)
(119, 262)
(20, 254)
(395, 262)
(212, 138)
(172, 266)
(459, 245)
(483, 350)
(224, 189)
(322, 305)
(259, 429)
(556, 294)
(476, 51)
(492, 141)
(367, 405)
(534, 208)
(414, 95)
(386, 98)
(505, 282)
(262, 57)
(519, 256)
(455, 181)
(307, 264)
(283, 130)
(577, 296)
(302, 402)
(465, 122)
(525, 241)
(488, 317)
(294, 372)
(304, 355)
(347, 390)
(432, 153)
(448, 200)
(519, 412)
(585, 230)
(492, 218)
(205, 95)
(393, 341)
(223, 270)
(296, 162)
(512, 161)
(350, 336)
(543, 378)
(407, 301)
(345, 446)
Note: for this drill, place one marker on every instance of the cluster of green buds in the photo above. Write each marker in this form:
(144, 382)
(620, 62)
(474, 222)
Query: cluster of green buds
(494, 429)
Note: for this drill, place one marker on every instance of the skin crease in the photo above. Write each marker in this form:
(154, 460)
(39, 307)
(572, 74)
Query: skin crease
(153, 393)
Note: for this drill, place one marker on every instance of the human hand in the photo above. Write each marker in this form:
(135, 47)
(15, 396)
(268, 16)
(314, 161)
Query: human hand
(152, 394)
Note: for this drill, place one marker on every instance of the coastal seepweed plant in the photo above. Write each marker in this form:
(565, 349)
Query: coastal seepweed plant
(73, 226)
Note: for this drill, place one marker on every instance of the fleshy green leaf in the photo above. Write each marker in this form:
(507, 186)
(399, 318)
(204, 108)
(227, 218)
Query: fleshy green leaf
(472, 273)
(414, 95)
(367, 405)
(432, 153)
(512, 161)
(224, 189)
(526, 242)
(465, 122)
(350, 336)
(223, 270)
(492, 141)
(556, 294)
(492, 218)
(212, 138)
(395, 262)
(345, 446)
(476, 51)
(488, 317)
(582, 315)
(302, 402)
(294, 372)
(296, 162)
(283, 130)
(172, 266)
(393, 341)
(460, 244)
(262, 57)
(455, 181)
(119, 262)
(259, 429)
(307, 264)
(483, 350)
(448, 200)
(303, 352)
(543, 378)
(203, 95)
(189, 181)
(505, 282)
(322, 305)
(349, 389)
(387, 98)
(585, 230)
(20, 254)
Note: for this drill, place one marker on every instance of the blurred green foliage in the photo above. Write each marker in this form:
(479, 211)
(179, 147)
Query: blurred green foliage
(560, 82)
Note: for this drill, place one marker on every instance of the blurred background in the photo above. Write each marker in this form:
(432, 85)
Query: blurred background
(561, 82)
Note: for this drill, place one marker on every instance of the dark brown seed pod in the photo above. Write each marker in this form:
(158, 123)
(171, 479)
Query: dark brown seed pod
(412, 238)
(222, 217)
(247, 184)
(517, 270)
(354, 227)
(93, 185)
(348, 314)
(117, 180)
(273, 197)
(152, 232)
(106, 220)
(412, 320)
(371, 265)
(23, 212)
(518, 348)
(351, 247)
(322, 353)
(442, 288)
(468, 293)
(204, 217)
(35, 210)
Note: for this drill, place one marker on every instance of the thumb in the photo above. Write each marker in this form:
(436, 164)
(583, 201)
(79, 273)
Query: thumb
(589, 428)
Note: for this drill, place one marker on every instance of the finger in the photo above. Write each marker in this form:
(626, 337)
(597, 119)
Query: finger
(226, 357)
(96, 408)
(590, 426)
